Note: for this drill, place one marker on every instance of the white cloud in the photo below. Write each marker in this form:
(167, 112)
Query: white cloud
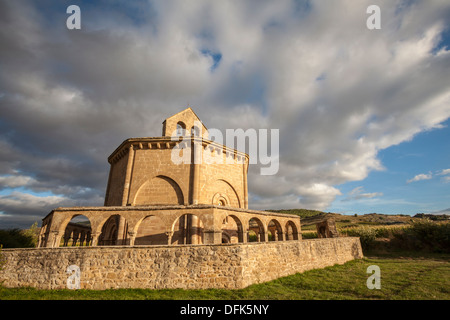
(358, 194)
(14, 181)
(25, 209)
(28, 201)
(420, 177)
(429, 176)
(338, 92)
(446, 173)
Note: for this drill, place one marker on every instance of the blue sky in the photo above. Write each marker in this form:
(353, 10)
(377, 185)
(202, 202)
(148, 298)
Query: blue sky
(389, 191)
(363, 114)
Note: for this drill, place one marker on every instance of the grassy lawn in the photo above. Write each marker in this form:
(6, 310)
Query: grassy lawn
(411, 277)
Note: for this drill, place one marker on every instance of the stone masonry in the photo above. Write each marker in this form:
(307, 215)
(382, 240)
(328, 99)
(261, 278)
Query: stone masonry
(175, 216)
(181, 188)
(230, 266)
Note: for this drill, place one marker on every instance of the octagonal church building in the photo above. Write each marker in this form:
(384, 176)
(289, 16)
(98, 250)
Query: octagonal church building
(180, 188)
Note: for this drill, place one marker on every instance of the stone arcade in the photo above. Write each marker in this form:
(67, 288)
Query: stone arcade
(152, 201)
(167, 225)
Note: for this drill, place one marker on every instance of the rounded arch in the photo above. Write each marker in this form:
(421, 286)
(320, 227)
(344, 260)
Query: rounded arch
(195, 131)
(187, 229)
(151, 230)
(232, 230)
(159, 190)
(112, 230)
(181, 128)
(226, 190)
(274, 230)
(77, 231)
(221, 199)
(255, 230)
(226, 238)
(291, 231)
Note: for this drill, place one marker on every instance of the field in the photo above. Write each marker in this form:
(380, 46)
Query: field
(381, 234)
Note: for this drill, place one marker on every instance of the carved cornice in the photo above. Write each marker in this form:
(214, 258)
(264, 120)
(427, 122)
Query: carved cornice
(169, 143)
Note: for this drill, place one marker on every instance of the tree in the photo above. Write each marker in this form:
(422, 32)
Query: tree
(16, 238)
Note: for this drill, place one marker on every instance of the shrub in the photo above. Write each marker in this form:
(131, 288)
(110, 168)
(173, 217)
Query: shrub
(367, 235)
(309, 235)
(252, 237)
(435, 236)
(423, 235)
(32, 233)
(16, 238)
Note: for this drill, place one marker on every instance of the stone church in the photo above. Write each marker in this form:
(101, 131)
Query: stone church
(167, 191)
(172, 218)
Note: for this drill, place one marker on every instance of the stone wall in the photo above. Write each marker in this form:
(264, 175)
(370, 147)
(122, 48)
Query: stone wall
(186, 266)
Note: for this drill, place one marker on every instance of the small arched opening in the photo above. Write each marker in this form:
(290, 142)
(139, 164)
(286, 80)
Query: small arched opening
(291, 231)
(195, 131)
(232, 230)
(181, 128)
(114, 231)
(255, 230)
(275, 231)
(78, 232)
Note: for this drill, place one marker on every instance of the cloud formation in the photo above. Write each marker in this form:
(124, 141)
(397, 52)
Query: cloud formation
(428, 176)
(337, 91)
(446, 174)
(358, 194)
(420, 177)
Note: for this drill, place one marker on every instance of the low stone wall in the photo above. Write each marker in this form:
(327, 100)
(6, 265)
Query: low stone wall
(186, 266)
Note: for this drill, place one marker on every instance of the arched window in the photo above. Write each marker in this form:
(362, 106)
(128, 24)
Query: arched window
(195, 131)
(77, 232)
(255, 230)
(275, 231)
(181, 128)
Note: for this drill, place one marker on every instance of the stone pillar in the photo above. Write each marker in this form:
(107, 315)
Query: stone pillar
(265, 236)
(194, 228)
(245, 183)
(169, 235)
(121, 235)
(197, 160)
(108, 187)
(95, 236)
(126, 189)
(244, 236)
(286, 236)
(132, 235)
(52, 239)
(185, 230)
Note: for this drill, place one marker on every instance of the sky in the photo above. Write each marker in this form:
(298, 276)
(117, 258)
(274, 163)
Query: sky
(363, 115)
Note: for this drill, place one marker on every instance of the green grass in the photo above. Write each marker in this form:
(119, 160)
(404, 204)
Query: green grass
(425, 277)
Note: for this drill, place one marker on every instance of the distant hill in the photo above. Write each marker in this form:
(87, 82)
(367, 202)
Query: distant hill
(433, 216)
(311, 217)
(303, 213)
